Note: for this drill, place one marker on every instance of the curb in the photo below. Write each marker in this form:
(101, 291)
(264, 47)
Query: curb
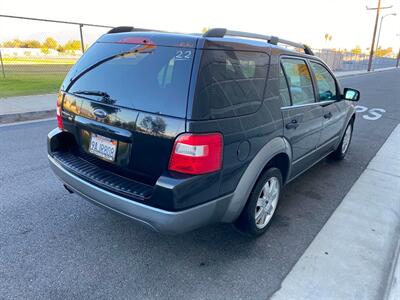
(392, 283)
(365, 72)
(356, 253)
(30, 96)
(28, 116)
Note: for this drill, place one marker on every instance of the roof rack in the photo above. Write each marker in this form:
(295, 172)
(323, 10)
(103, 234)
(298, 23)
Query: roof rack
(221, 32)
(129, 29)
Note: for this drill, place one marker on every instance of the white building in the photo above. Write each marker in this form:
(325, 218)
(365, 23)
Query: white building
(38, 52)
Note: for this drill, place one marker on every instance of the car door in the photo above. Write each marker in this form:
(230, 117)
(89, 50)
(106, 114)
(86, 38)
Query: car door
(302, 114)
(334, 110)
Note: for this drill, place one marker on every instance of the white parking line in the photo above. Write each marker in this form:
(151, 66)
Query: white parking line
(352, 256)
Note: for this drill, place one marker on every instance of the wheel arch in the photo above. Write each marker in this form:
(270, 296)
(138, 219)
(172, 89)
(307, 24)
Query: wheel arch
(282, 162)
(353, 118)
(276, 153)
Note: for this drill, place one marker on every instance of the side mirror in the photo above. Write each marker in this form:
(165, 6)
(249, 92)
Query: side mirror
(351, 94)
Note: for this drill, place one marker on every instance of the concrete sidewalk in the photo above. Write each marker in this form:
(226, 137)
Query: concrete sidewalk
(23, 108)
(360, 72)
(355, 255)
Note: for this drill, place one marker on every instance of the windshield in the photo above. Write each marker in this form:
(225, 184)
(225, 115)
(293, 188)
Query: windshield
(144, 77)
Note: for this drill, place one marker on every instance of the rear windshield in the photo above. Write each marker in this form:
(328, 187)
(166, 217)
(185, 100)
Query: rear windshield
(230, 83)
(144, 77)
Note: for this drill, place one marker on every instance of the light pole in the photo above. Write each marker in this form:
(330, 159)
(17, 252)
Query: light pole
(398, 55)
(398, 59)
(2, 65)
(378, 9)
(82, 44)
(380, 28)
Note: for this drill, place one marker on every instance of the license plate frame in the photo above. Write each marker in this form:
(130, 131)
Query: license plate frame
(103, 147)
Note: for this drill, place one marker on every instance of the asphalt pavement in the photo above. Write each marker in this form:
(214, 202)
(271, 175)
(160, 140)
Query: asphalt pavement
(56, 245)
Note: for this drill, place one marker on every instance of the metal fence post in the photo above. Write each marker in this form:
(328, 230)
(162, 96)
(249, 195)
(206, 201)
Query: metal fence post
(335, 53)
(2, 65)
(82, 44)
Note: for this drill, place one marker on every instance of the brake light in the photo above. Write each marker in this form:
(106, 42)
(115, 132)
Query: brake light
(136, 40)
(197, 153)
(59, 118)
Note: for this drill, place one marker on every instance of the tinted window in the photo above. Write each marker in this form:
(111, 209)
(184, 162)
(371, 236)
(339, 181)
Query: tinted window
(326, 84)
(299, 80)
(145, 77)
(283, 88)
(230, 83)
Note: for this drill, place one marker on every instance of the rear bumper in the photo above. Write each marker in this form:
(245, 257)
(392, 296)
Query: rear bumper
(170, 222)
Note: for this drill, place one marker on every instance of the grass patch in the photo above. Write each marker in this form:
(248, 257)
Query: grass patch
(30, 84)
(32, 79)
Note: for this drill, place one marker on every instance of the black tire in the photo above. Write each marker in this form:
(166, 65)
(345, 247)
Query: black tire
(246, 223)
(340, 153)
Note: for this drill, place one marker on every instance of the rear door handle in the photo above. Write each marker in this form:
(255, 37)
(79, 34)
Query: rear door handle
(328, 115)
(292, 125)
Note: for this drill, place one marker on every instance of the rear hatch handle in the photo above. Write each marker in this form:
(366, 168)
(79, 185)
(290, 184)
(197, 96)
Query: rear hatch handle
(91, 125)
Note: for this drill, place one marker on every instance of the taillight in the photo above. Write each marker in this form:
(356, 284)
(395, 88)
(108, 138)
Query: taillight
(197, 153)
(59, 118)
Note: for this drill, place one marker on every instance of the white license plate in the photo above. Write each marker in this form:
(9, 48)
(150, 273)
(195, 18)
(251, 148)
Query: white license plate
(103, 147)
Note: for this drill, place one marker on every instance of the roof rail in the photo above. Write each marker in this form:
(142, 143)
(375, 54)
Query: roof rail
(129, 29)
(221, 32)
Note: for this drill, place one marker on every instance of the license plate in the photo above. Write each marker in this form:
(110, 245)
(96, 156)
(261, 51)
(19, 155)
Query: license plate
(103, 147)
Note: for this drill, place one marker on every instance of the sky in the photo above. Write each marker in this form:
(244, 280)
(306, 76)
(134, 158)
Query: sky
(306, 21)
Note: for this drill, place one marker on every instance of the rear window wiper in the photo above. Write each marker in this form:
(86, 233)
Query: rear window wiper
(105, 98)
(92, 93)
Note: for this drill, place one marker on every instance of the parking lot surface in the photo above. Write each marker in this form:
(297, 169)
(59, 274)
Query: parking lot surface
(56, 245)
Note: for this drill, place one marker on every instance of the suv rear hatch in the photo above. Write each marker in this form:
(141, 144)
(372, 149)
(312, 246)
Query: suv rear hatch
(125, 102)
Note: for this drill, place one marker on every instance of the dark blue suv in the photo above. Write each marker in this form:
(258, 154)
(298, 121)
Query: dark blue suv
(182, 130)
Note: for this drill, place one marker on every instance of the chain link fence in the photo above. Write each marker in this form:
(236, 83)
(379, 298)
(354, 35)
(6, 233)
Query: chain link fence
(38, 62)
(341, 61)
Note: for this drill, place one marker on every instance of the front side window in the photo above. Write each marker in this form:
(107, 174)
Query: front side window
(230, 83)
(299, 81)
(325, 82)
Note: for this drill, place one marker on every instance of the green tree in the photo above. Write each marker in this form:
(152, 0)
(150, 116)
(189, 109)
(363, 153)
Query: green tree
(73, 45)
(60, 48)
(15, 43)
(384, 52)
(50, 43)
(327, 37)
(356, 50)
(30, 44)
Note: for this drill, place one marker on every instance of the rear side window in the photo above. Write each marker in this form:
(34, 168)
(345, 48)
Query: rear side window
(230, 83)
(299, 81)
(283, 88)
(325, 83)
(145, 77)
